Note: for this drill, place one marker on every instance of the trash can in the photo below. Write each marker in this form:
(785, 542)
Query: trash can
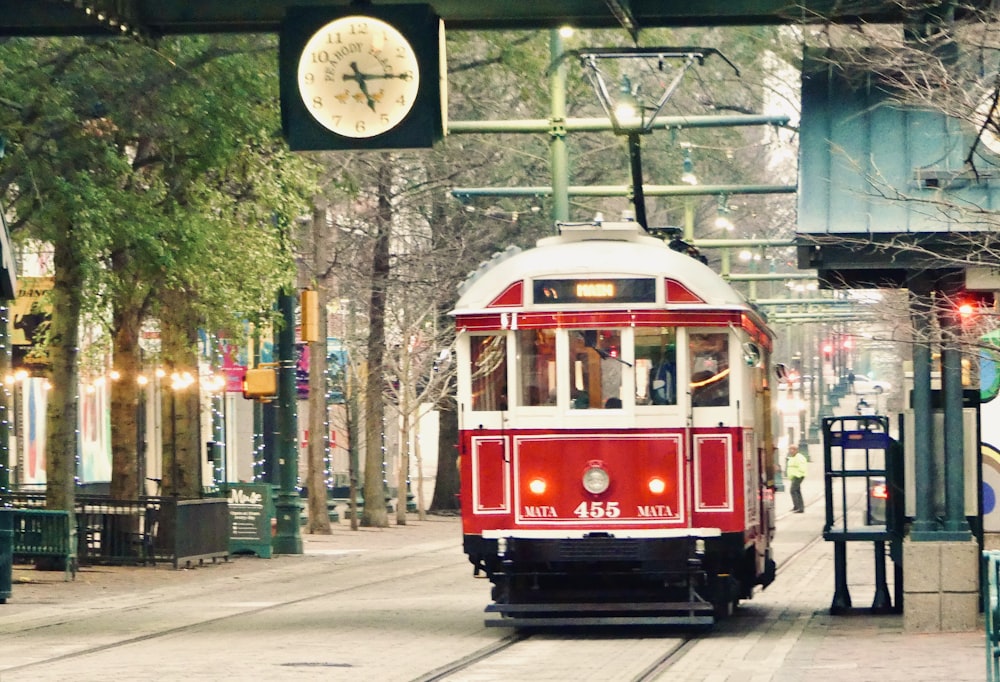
(6, 553)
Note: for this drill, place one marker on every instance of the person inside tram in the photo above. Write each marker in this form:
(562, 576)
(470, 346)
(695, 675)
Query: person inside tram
(662, 385)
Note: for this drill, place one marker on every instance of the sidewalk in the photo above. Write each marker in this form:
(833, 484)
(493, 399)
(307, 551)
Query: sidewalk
(798, 639)
(32, 588)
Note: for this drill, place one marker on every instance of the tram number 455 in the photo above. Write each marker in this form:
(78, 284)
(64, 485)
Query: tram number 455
(598, 510)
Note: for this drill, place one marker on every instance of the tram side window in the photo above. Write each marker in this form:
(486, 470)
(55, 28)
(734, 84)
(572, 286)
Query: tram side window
(595, 368)
(656, 366)
(488, 356)
(709, 354)
(536, 352)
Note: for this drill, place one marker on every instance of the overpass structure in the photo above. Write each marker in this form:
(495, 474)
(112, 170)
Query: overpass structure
(154, 18)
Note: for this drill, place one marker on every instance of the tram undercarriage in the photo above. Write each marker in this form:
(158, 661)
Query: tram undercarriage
(602, 580)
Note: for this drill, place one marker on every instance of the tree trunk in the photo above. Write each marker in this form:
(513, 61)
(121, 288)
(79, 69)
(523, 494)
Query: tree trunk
(317, 456)
(319, 429)
(446, 483)
(125, 481)
(375, 514)
(61, 418)
(181, 409)
(404, 449)
(419, 459)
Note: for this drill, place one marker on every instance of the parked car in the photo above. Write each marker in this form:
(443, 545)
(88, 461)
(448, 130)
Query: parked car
(865, 385)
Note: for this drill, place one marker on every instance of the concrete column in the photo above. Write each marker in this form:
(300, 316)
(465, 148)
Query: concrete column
(941, 590)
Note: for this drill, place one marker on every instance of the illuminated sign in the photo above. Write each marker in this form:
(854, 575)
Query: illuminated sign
(595, 290)
(561, 291)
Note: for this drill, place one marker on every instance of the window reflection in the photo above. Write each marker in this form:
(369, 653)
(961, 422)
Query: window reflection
(536, 350)
(709, 355)
(488, 357)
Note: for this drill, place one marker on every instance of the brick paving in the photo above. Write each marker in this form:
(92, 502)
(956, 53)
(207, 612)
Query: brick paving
(784, 634)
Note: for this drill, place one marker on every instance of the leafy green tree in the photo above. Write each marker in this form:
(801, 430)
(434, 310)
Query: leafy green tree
(156, 175)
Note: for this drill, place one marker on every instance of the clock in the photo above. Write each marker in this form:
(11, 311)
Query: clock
(358, 76)
(362, 81)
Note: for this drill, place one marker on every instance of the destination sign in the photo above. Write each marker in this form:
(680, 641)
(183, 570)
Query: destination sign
(609, 290)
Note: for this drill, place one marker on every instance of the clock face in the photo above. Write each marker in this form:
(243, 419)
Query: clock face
(358, 76)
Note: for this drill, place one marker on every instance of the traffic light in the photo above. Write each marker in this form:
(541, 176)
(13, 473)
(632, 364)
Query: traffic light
(971, 304)
(309, 303)
(827, 350)
(260, 383)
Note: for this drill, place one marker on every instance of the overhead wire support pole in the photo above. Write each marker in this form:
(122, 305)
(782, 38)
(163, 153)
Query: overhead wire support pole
(623, 190)
(558, 154)
(595, 125)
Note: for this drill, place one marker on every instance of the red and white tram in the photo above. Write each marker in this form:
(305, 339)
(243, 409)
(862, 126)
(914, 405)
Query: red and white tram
(615, 432)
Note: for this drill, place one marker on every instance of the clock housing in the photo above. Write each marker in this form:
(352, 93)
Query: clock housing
(350, 82)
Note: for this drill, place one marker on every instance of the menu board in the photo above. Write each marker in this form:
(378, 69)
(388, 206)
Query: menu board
(250, 512)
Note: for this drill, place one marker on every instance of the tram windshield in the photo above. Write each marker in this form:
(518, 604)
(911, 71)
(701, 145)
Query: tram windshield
(596, 368)
(656, 366)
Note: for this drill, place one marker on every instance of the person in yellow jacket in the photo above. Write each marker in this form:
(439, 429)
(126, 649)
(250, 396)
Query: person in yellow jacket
(795, 471)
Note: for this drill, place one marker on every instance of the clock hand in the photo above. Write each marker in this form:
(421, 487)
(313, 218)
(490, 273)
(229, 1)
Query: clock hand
(400, 76)
(360, 79)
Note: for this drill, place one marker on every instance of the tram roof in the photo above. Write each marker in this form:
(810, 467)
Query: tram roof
(598, 250)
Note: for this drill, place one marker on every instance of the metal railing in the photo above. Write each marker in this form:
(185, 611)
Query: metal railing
(42, 534)
(148, 530)
(991, 610)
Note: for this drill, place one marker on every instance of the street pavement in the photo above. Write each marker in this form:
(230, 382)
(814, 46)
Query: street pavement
(784, 634)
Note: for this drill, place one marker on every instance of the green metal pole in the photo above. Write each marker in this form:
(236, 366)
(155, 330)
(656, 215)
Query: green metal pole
(559, 157)
(688, 220)
(288, 538)
(924, 526)
(954, 441)
(5, 414)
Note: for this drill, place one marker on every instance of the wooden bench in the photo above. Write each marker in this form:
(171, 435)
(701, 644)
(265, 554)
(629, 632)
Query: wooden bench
(45, 534)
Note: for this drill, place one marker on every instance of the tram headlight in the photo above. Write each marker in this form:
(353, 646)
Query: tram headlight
(657, 485)
(537, 485)
(596, 479)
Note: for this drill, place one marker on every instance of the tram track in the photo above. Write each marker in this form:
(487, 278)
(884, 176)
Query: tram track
(553, 656)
